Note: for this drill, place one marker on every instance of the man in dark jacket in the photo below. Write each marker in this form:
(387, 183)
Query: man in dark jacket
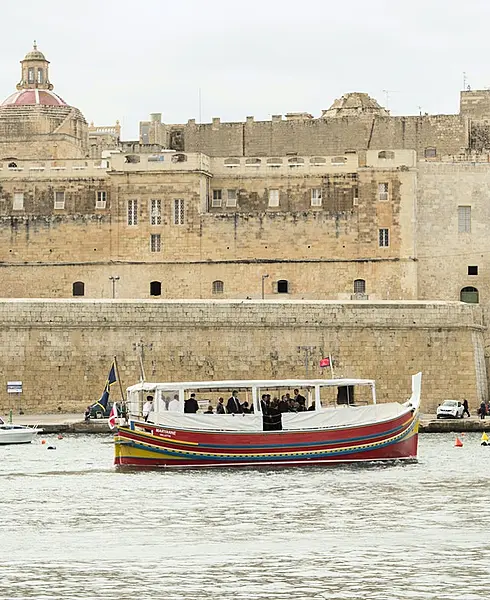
(191, 405)
(233, 405)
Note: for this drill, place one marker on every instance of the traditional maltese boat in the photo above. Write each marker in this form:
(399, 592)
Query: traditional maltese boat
(340, 423)
(16, 434)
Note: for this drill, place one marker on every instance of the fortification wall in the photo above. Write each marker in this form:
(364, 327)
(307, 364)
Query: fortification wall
(447, 133)
(61, 350)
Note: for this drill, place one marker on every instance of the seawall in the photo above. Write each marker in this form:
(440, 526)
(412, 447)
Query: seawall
(61, 350)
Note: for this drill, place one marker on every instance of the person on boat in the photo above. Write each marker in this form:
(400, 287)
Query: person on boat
(220, 407)
(466, 410)
(209, 411)
(301, 400)
(263, 404)
(283, 404)
(233, 405)
(246, 408)
(312, 407)
(147, 407)
(174, 404)
(191, 405)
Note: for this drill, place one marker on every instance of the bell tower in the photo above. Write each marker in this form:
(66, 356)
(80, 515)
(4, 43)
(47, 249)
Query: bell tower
(35, 71)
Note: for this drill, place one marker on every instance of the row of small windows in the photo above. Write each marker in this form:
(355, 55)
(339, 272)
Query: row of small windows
(468, 294)
(218, 287)
(178, 216)
(60, 199)
(229, 197)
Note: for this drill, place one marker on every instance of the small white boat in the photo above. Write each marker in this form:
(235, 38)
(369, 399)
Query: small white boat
(16, 434)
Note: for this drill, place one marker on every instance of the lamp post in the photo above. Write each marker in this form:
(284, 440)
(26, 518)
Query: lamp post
(114, 278)
(264, 277)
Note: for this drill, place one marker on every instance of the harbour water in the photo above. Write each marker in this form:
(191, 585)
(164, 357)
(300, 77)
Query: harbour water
(73, 527)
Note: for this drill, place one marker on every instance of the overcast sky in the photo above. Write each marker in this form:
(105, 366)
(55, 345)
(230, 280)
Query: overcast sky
(121, 59)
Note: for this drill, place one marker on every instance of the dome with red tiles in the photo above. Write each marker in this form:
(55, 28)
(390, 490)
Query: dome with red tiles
(33, 97)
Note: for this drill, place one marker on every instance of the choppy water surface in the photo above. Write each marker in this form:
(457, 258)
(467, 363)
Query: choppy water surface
(73, 527)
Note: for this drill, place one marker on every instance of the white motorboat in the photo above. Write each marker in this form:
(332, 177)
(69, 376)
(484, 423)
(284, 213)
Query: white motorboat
(16, 434)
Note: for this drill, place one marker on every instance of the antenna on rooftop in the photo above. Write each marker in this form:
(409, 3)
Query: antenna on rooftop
(387, 94)
(200, 116)
(464, 80)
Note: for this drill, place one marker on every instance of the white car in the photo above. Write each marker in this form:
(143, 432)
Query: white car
(452, 409)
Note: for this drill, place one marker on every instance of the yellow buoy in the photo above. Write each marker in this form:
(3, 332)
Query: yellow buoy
(484, 437)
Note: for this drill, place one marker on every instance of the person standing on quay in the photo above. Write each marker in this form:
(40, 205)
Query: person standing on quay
(466, 410)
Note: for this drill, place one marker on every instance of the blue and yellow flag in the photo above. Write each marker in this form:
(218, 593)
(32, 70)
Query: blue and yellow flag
(104, 399)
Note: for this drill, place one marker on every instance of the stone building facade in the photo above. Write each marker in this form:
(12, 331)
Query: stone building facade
(352, 205)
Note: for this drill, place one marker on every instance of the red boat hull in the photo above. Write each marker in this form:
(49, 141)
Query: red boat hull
(148, 445)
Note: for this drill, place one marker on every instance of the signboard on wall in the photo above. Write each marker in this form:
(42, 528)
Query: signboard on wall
(14, 387)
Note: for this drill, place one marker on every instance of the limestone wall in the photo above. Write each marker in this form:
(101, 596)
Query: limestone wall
(61, 350)
(447, 133)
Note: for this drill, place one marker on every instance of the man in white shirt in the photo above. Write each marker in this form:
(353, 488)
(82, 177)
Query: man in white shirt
(174, 405)
(147, 407)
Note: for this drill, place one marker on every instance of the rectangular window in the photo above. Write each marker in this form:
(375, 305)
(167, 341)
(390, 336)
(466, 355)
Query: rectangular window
(40, 76)
(384, 237)
(273, 197)
(155, 212)
(155, 242)
(18, 201)
(464, 219)
(473, 270)
(383, 192)
(100, 199)
(179, 211)
(132, 212)
(316, 197)
(217, 197)
(231, 198)
(30, 75)
(59, 200)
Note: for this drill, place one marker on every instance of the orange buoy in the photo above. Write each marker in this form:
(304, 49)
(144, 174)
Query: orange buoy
(60, 437)
(43, 441)
(458, 443)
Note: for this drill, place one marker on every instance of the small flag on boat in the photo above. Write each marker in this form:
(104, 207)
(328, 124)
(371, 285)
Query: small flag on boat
(105, 394)
(325, 362)
(113, 416)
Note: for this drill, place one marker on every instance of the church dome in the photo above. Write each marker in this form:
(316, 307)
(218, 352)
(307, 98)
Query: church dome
(355, 104)
(33, 97)
(35, 54)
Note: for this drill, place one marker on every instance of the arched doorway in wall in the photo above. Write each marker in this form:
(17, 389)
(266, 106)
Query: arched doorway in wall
(469, 294)
(155, 288)
(78, 288)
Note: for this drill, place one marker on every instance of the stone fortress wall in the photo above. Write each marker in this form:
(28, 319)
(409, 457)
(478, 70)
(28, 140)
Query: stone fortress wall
(354, 204)
(61, 350)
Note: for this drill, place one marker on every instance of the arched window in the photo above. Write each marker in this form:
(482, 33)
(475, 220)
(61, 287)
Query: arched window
(470, 295)
(218, 287)
(282, 286)
(359, 286)
(79, 288)
(155, 288)
(12, 165)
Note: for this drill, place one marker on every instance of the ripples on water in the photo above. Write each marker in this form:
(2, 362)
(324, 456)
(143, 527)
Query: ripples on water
(73, 527)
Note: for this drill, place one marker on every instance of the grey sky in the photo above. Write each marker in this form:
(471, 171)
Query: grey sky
(120, 59)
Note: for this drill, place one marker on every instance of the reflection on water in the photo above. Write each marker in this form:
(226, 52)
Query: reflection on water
(73, 527)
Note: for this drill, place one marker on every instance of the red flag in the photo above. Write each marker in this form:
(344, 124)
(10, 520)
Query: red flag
(325, 362)
(113, 416)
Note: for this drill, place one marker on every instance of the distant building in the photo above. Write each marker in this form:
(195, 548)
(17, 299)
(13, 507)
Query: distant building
(355, 204)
